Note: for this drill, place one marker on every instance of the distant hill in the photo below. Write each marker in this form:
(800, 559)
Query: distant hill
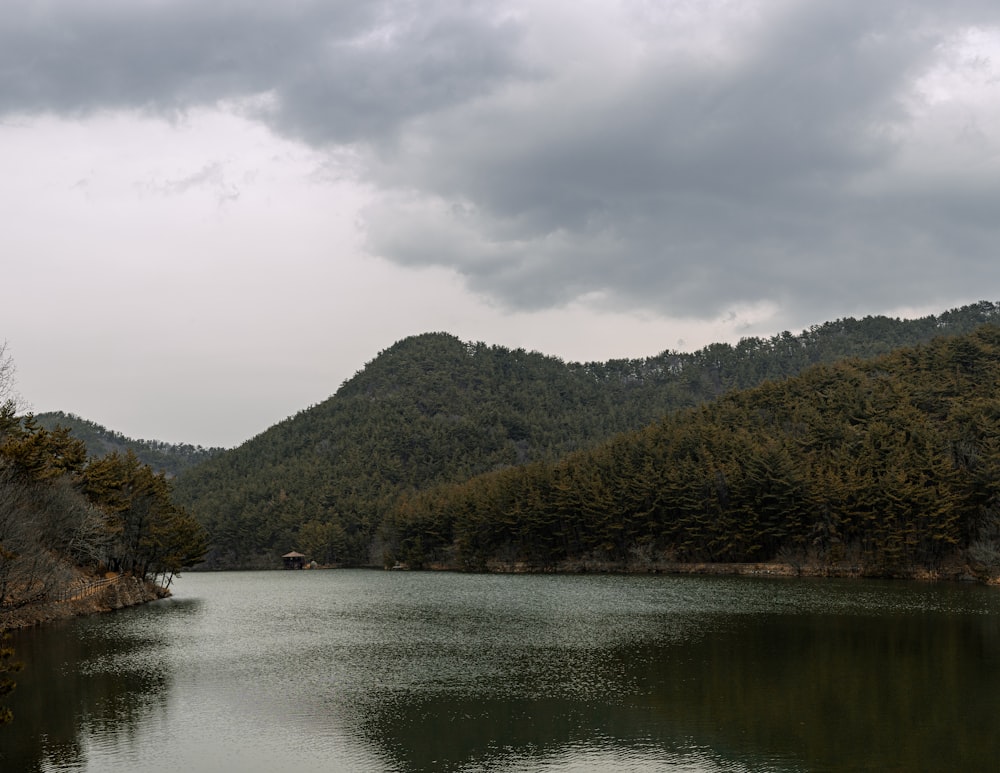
(167, 458)
(434, 410)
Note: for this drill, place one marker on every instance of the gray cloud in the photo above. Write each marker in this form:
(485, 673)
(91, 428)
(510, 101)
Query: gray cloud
(702, 185)
(337, 71)
(212, 176)
(787, 158)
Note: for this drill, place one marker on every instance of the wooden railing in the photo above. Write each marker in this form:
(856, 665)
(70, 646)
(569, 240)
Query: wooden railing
(82, 591)
(74, 592)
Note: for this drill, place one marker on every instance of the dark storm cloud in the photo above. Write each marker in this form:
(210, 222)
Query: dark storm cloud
(337, 71)
(783, 164)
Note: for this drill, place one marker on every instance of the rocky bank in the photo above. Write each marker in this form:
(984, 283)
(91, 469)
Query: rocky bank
(125, 592)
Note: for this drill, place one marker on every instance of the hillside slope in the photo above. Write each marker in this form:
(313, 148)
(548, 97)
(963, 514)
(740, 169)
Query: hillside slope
(879, 467)
(432, 410)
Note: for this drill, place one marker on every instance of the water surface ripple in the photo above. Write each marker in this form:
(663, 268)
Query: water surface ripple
(398, 671)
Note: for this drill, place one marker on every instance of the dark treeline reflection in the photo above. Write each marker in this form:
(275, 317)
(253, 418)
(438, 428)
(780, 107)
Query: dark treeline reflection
(792, 692)
(907, 692)
(82, 677)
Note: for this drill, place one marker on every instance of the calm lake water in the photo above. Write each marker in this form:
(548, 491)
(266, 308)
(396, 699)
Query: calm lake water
(399, 671)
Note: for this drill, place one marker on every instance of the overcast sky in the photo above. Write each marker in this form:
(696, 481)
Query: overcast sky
(213, 213)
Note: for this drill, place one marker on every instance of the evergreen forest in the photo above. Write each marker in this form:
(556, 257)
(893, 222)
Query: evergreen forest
(881, 467)
(67, 518)
(394, 467)
(168, 458)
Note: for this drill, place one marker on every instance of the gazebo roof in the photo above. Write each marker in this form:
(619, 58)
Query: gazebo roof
(293, 554)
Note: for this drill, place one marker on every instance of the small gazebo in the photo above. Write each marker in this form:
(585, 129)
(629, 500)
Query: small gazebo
(294, 560)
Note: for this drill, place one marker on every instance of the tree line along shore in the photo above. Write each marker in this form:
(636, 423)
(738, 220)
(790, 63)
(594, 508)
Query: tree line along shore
(80, 533)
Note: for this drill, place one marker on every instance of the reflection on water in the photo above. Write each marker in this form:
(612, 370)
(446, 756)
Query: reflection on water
(357, 670)
(75, 686)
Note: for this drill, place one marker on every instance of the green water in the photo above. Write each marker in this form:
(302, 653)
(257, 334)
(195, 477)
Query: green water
(399, 671)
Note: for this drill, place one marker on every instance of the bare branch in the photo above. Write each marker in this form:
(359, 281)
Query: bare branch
(7, 379)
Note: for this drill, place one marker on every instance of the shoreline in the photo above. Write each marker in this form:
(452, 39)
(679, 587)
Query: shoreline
(952, 573)
(133, 591)
(127, 592)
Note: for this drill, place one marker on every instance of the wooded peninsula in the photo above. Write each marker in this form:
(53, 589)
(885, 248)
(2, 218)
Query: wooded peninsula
(81, 533)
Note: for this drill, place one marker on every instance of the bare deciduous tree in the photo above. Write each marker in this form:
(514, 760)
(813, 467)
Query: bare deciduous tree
(10, 402)
(29, 568)
(7, 372)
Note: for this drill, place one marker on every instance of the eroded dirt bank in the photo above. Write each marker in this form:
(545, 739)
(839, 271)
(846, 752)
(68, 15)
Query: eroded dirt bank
(125, 592)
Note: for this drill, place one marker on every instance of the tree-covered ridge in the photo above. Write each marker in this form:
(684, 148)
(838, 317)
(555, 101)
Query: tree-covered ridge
(430, 409)
(433, 410)
(167, 458)
(877, 467)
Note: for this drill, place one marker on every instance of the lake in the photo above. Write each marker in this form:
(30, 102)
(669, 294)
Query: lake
(359, 670)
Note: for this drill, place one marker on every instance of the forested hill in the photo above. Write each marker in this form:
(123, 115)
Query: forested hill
(66, 518)
(166, 458)
(432, 409)
(880, 467)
